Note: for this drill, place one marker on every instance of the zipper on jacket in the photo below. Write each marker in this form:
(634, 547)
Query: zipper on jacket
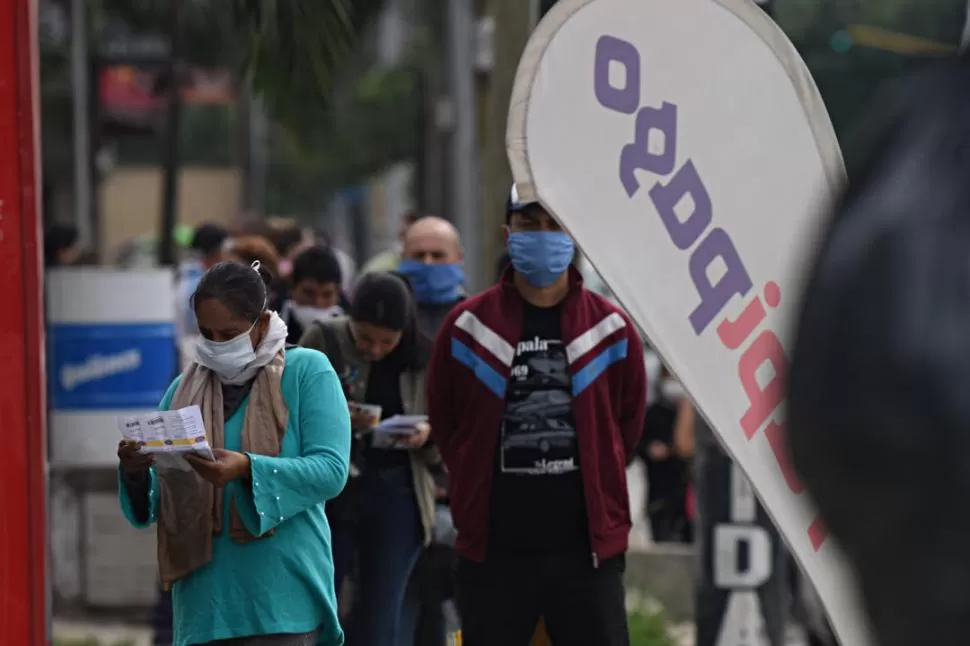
(596, 561)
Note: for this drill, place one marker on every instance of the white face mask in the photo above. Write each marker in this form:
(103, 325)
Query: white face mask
(227, 358)
(671, 390)
(307, 315)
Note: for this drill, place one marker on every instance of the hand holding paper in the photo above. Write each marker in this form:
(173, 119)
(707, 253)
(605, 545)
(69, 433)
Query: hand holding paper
(226, 467)
(133, 461)
(401, 432)
(166, 435)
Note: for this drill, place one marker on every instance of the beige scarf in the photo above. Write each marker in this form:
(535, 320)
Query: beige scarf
(191, 509)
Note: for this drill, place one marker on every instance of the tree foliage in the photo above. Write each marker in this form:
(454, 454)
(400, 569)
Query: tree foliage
(376, 128)
(293, 52)
(848, 78)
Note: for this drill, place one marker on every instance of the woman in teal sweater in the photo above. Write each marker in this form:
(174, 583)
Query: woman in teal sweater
(243, 541)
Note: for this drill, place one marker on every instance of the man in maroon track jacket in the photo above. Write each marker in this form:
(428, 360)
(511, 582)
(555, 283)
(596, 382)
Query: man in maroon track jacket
(537, 391)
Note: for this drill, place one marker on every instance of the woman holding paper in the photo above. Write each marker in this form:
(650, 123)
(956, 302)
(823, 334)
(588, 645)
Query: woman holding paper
(386, 356)
(243, 541)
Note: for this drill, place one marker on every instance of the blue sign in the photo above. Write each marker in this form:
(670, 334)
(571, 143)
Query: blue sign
(107, 366)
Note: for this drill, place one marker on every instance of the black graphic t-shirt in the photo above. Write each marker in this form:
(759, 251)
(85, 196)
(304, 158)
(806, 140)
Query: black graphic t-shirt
(538, 505)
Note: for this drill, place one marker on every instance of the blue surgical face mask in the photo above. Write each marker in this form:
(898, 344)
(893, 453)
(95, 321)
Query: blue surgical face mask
(434, 283)
(540, 256)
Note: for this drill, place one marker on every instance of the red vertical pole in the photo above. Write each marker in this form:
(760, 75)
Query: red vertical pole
(23, 481)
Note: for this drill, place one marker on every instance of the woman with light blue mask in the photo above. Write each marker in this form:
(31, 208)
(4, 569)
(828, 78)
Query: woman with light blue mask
(537, 392)
(539, 250)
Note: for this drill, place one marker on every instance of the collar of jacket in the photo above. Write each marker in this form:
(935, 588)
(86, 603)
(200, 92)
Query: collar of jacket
(509, 288)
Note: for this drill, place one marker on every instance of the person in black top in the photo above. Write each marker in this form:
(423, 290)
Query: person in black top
(667, 472)
(315, 293)
(432, 260)
(543, 512)
(384, 356)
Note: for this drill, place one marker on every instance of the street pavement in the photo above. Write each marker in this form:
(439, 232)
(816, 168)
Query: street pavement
(112, 634)
(106, 634)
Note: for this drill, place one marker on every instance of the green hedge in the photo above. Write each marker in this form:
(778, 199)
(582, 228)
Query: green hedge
(649, 629)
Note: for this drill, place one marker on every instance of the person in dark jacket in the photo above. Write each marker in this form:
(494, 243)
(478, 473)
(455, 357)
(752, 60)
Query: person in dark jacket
(537, 391)
(433, 263)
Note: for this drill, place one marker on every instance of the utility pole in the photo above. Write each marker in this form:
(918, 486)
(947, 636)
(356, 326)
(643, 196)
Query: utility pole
(965, 38)
(465, 206)
(514, 21)
(82, 125)
(258, 169)
(170, 153)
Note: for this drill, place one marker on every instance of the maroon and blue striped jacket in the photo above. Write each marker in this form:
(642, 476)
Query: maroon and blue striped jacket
(467, 379)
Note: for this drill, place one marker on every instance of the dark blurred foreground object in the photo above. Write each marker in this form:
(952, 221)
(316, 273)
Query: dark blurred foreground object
(879, 402)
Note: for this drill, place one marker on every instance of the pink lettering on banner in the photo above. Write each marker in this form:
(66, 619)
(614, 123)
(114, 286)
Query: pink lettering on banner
(775, 433)
(765, 350)
(709, 248)
(817, 533)
(734, 333)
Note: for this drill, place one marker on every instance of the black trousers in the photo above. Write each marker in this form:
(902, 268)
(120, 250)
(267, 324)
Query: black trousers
(501, 600)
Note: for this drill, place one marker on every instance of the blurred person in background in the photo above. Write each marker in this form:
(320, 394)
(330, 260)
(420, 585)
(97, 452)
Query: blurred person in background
(348, 267)
(390, 259)
(536, 397)
(288, 239)
(667, 470)
(314, 293)
(243, 540)
(432, 261)
(386, 356)
(61, 246)
(205, 250)
(248, 249)
(685, 432)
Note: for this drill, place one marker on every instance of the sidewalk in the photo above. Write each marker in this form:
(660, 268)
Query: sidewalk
(684, 636)
(120, 635)
(79, 633)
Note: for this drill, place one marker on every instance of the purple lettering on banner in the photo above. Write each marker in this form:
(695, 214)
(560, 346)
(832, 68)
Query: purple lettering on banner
(667, 196)
(637, 156)
(627, 98)
(735, 280)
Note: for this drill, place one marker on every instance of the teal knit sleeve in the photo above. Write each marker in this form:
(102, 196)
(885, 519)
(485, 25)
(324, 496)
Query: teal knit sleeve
(282, 487)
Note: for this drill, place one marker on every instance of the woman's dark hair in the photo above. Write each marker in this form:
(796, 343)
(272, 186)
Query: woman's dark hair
(878, 413)
(241, 288)
(285, 238)
(317, 263)
(386, 299)
(208, 238)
